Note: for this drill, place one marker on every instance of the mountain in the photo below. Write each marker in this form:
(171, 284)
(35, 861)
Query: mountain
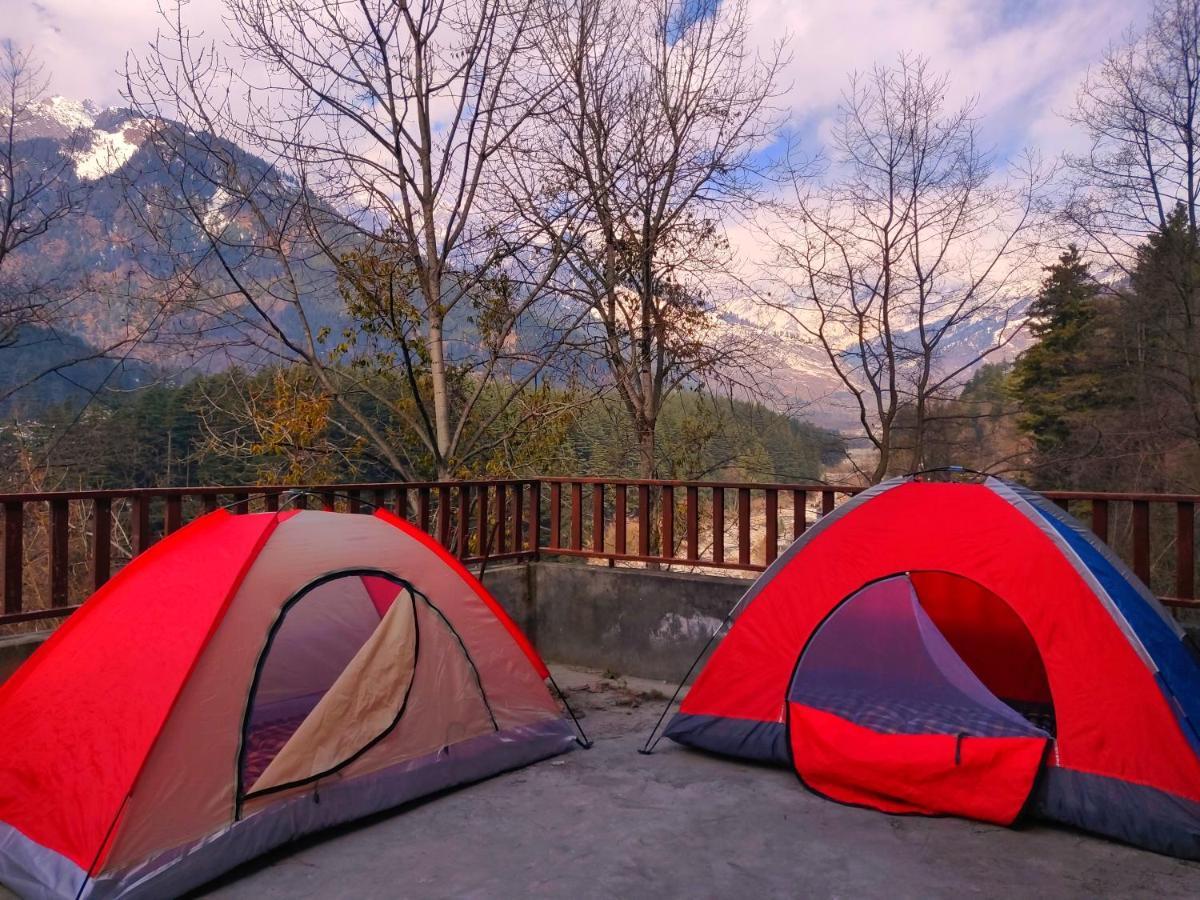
(103, 150)
(71, 372)
(107, 158)
(800, 371)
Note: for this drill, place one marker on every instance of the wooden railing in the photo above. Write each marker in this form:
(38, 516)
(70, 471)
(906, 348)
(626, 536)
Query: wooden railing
(59, 547)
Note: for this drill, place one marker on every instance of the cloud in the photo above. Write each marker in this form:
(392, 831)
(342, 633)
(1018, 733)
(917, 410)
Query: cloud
(83, 43)
(1020, 59)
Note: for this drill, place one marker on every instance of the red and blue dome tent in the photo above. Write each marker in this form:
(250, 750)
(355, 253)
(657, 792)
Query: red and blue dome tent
(965, 648)
(250, 679)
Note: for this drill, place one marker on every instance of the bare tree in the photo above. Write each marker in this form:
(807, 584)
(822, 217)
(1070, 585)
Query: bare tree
(889, 252)
(381, 121)
(1141, 109)
(35, 194)
(649, 141)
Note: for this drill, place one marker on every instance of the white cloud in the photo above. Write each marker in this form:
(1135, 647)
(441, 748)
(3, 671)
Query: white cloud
(1020, 58)
(83, 43)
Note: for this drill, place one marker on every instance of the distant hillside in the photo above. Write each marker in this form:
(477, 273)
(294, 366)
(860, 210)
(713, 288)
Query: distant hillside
(73, 370)
(801, 371)
(106, 243)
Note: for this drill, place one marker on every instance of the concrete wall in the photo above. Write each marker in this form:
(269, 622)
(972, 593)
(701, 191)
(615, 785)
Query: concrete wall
(16, 649)
(631, 621)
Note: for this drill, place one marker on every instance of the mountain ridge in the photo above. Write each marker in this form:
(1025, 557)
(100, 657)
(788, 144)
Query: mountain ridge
(102, 145)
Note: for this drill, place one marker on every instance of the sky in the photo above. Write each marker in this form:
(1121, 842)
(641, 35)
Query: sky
(1021, 59)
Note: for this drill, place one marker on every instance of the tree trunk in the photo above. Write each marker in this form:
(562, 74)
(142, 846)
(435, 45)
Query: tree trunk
(646, 449)
(885, 454)
(441, 400)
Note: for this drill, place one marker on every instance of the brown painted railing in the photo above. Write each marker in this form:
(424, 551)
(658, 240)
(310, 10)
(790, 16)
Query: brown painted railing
(58, 547)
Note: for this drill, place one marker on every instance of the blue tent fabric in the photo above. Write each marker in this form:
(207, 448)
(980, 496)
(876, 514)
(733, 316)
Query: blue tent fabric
(1165, 644)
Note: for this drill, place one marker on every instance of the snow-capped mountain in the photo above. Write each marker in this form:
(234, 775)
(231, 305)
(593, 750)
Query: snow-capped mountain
(105, 148)
(801, 375)
(99, 142)
(57, 118)
(98, 155)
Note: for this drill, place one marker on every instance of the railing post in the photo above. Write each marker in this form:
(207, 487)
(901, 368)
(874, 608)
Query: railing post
(620, 518)
(443, 516)
(692, 503)
(828, 501)
(799, 513)
(1185, 550)
(772, 507)
(501, 518)
(518, 517)
(744, 526)
(423, 509)
(174, 513)
(668, 522)
(485, 535)
(576, 515)
(14, 555)
(718, 524)
(1100, 519)
(643, 520)
(60, 514)
(142, 539)
(1141, 540)
(464, 520)
(598, 517)
(535, 518)
(101, 542)
(555, 515)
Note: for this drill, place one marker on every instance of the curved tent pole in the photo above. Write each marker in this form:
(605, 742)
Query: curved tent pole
(651, 741)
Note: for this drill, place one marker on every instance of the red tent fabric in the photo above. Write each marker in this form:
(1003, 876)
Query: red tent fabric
(1038, 613)
(132, 644)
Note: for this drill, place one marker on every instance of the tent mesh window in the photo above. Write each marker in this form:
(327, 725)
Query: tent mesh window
(880, 662)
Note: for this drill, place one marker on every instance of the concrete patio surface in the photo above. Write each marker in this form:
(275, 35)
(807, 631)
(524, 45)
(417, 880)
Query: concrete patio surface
(609, 822)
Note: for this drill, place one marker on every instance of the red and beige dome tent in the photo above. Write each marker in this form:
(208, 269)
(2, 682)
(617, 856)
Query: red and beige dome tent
(250, 679)
(962, 648)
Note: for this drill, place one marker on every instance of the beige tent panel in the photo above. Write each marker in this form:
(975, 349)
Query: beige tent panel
(361, 705)
(444, 708)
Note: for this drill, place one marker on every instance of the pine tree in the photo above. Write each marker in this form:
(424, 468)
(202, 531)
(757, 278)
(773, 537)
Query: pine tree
(1057, 377)
(1161, 316)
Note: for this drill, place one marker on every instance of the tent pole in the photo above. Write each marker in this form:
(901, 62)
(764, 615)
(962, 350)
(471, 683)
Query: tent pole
(648, 747)
(583, 740)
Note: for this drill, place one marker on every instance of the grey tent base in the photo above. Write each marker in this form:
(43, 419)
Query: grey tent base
(1142, 816)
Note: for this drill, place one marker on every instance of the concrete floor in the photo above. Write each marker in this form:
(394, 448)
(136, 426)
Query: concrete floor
(611, 823)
